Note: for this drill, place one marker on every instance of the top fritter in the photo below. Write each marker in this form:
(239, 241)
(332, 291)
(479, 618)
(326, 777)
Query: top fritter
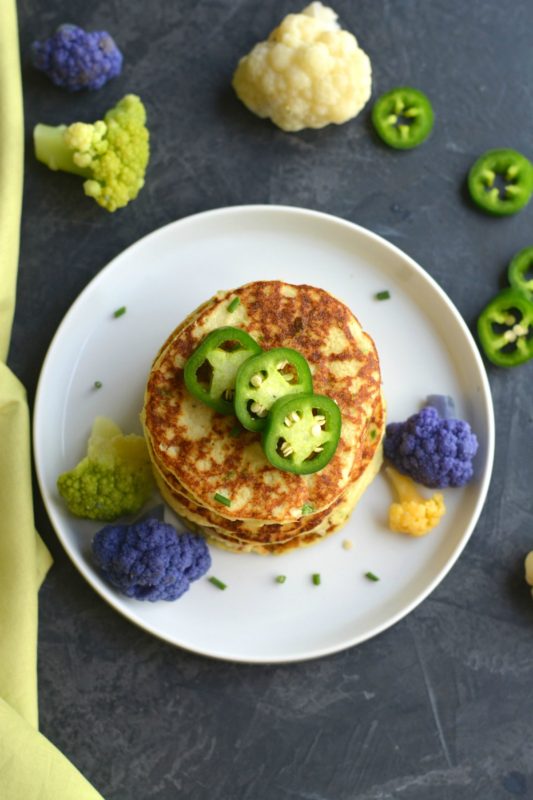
(194, 443)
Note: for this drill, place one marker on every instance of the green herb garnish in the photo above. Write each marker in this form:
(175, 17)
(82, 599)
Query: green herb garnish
(307, 508)
(281, 579)
(219, 584)
(233, 305)
(98, 384)
(383, 295)
(120, 311)
(316, 579)
(371, 576)
(220, 498)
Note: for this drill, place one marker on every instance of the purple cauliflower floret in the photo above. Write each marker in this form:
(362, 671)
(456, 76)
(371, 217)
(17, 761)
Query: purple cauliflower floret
(433, 451)
(75, 59)
(150, 560)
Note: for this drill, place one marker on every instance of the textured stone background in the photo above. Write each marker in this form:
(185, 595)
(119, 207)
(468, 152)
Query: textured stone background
(440, 706)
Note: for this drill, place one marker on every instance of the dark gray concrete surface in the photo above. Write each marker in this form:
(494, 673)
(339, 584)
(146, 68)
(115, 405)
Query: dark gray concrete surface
(440, 706)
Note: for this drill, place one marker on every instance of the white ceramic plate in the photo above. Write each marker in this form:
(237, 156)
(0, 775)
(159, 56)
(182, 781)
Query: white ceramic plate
(424, 346)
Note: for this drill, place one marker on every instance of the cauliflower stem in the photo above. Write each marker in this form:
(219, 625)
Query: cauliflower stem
(412, 513)
(52, 150)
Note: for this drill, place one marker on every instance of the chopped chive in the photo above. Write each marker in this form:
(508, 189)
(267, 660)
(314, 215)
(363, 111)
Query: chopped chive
(119, 312)
(98, 384)
(307, 508)
(235, 431)
(219, 584)
(220, 498)
(383, 295)
(371, 576)
(233, 305)
(316, 579)
(281, 579)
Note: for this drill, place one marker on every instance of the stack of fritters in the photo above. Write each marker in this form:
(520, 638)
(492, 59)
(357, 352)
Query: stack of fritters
(196, 453)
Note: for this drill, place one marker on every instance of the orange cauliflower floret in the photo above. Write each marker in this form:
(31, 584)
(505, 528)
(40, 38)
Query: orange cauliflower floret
(309, 72)
(412, 513)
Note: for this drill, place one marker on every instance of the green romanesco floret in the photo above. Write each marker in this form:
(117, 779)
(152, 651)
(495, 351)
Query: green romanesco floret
(115, 477)
(112, 154)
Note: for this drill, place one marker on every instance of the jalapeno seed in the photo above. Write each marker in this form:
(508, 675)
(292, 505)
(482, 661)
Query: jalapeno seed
(257, 408)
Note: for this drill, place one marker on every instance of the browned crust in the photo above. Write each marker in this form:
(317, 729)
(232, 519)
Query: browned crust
(268, 533)
(302, 322)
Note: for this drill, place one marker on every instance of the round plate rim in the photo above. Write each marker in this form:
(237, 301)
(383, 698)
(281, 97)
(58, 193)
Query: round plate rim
(259, 209)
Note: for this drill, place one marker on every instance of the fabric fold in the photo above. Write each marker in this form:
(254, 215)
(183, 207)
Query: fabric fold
(22, 561)
(42, 773)
(11, 167)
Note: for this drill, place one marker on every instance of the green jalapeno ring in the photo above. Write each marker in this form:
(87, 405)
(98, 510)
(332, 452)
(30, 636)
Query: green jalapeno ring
(511, 168)
(403, 117)
(505, 328)
(210, 371)
(264, 378)
(302, 433)
(520, 267)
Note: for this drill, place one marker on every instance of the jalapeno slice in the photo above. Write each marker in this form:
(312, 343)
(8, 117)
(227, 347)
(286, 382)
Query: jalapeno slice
(501, 181)
(520, 272)
(403, 117)
(210, 371)
(302, 433)
(266, 377)
(505, 329)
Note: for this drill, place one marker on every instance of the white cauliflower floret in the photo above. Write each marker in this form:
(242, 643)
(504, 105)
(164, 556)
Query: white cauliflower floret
(528, 566)
(307, 74)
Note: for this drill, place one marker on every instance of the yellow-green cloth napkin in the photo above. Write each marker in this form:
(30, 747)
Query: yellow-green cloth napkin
(31, 768)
